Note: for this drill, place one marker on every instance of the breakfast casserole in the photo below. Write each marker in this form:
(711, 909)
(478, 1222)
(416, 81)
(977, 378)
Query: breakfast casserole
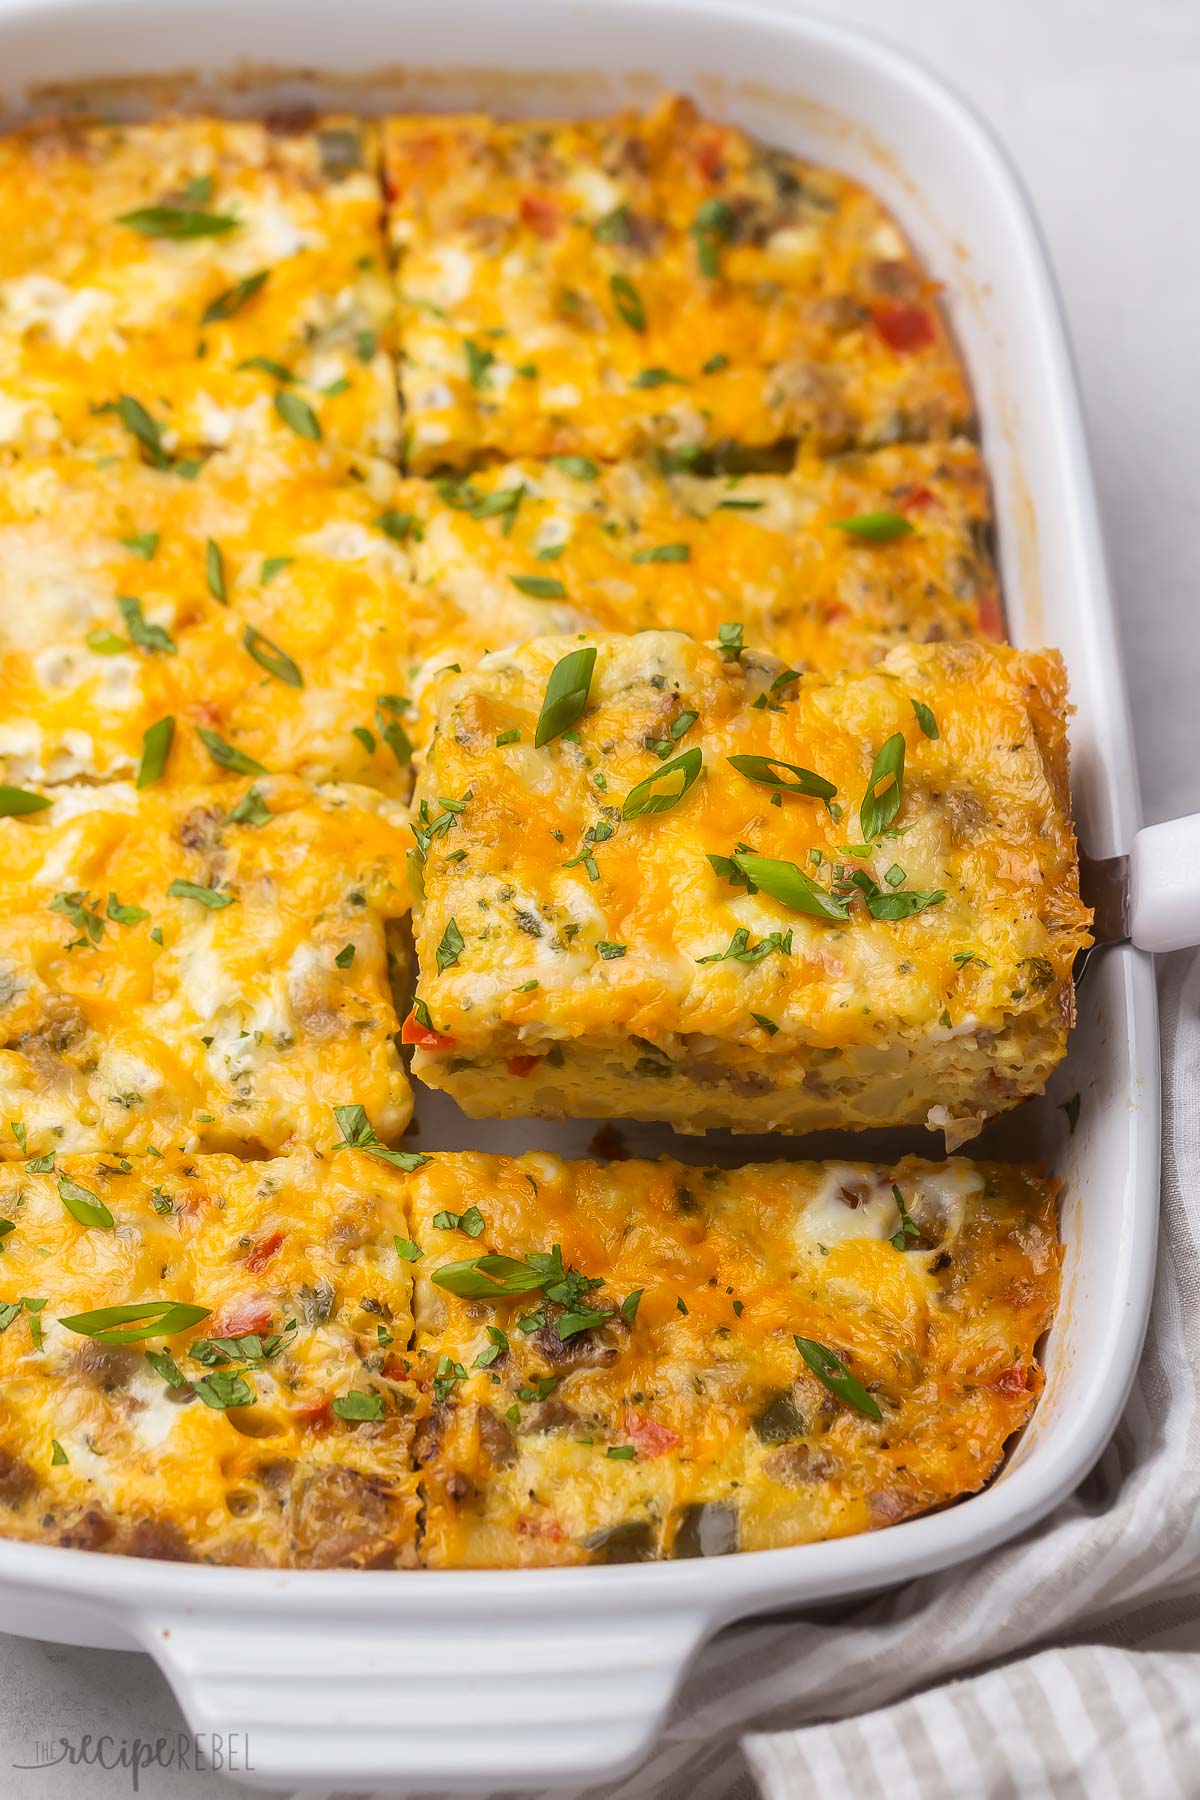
(614, 482)
(322, 1361)
(829, 566)
(172, 287)
(647, 1360)
(653, 280)
(261, 604)
(197, 1362)
(659, 879)
(201, 969)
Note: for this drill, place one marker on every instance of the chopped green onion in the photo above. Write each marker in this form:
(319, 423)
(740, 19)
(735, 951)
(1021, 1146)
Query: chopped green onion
(566, 695)
(648, 797)
(830, 1370)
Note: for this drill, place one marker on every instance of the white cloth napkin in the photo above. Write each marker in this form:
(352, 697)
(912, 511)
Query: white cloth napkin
(1058, 1665)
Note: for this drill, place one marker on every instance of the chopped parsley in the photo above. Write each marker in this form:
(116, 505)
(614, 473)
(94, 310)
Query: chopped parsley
(359, 1134)
(472, 1221)
(357, 1407)
(208, 897)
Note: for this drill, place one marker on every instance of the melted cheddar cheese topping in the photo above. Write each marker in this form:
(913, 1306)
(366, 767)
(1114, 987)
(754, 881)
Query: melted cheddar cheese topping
(235, 1439)
(633, 1388)
(228, 278)
(261, 600)
(326, 449)
(587, 953)
(199, 969)
(531, 548)
(685, 1422)
(650, 280)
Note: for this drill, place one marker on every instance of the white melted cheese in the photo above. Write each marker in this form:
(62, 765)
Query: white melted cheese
(445, 275)
(936, 1199)
(268, 233)
(13, 415)
(944, 1194)
(828, 1219)
(38, 302)
(596, 192)
(563, 398)
(158, 1414)
(343, 540)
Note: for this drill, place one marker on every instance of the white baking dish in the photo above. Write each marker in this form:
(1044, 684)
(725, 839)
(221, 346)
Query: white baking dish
(495, 1679)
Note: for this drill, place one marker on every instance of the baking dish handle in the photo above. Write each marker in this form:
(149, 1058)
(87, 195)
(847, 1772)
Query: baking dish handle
(444, 1697)
(1164, 885)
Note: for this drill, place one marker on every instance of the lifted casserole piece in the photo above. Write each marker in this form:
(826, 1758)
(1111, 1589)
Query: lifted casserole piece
(650, 280)
(715, 897)
(227, 1389)
(827, 567)
(198, 969)
(619, 1379)
(226, 277)
(261, 602)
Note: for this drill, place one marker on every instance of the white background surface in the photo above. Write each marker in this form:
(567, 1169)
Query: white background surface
(1099, 103)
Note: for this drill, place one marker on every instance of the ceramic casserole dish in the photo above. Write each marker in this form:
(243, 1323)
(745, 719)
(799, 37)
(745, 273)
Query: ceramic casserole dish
(496, 1679)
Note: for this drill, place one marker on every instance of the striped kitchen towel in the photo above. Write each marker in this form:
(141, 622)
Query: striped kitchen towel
(1066, 1663)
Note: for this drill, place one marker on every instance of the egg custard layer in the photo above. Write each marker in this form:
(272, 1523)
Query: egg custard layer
(322, 1361)
(660, 880)
(169, 288)
(199, 969)
(650, 280)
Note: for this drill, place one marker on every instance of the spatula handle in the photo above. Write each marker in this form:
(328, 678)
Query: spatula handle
(1164, 885)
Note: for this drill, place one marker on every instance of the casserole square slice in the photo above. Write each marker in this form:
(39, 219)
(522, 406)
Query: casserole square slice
(827, 567)
(716, 896)
(619, 1380)
(227, 277)
(650, 281)
(262, 601)
(256, 1409)
(199, 969)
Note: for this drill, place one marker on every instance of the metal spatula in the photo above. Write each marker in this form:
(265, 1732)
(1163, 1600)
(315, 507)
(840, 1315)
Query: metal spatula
(1150, 898)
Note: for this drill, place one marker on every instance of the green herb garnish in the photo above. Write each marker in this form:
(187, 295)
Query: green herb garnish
(830, 1370)
(228, 756)
(177, 222)
(649, 797)
(232, 299)
(359, 1134)
(875, 528)
(156, 747)
(628, 302)
(298, 415)
(270, 657)
(885, 789)
(765, 769)
(133, 1323)
(566, 694)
